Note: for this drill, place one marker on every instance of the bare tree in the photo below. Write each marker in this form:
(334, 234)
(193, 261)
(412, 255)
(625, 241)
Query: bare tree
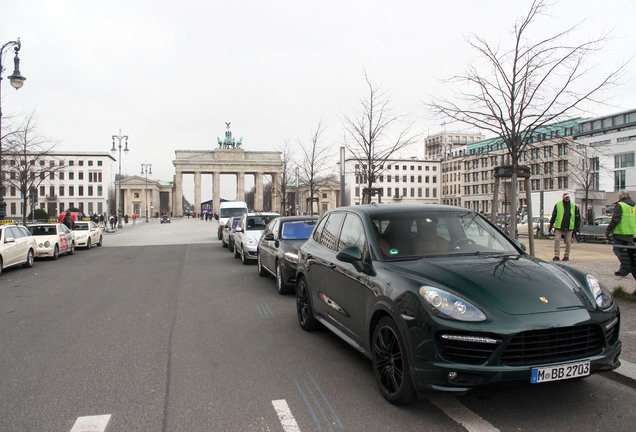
(281, 188)
(520, 89)
(29, 159)
(586, 169)
(315, 160)
(367, 136)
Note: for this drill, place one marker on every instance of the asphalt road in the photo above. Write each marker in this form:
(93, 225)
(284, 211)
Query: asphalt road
(164, 330)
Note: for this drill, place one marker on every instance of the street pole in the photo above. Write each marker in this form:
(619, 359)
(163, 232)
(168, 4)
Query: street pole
(541, 206)
(342, 177)
(17, 80)
(146, 169)
(119, 138)
(297, 210)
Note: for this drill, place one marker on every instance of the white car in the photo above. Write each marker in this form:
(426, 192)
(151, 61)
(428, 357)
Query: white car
(17, 246)
(522, 227)
(247, 234)
(87, 234)
(52, 239)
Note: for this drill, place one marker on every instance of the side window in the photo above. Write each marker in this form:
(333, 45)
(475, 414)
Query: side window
(13, 233)
(319, 228)
(275, 227)
(25, 232)
(352, 234)
(329, 235)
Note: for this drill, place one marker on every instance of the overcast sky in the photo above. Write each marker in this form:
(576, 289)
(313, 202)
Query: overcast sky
(170, 74)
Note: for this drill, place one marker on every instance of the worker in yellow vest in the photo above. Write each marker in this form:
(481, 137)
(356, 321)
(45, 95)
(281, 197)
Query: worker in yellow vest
(622, 227)
(565, 219)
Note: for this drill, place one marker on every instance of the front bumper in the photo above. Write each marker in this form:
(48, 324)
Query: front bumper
(440, 367)
(44, 252)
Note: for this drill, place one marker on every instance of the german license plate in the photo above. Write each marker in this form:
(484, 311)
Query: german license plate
(560, 372)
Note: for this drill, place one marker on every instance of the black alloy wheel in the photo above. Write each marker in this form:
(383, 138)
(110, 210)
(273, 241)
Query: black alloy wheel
(30, 259)
(390, 363)
(305, 313)
(280, 283)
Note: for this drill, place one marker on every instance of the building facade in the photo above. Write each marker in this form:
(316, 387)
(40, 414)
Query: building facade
(399, 181)
(82, 180)
(146, 197)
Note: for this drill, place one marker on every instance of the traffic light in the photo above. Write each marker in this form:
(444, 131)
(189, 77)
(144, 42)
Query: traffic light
(33, 195)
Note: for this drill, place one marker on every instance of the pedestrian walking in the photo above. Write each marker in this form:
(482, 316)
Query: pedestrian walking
(622, 227)
(134, 217)
(101, 220)
(112, 222)
(565, 218)
(68, 220)
(590, 215)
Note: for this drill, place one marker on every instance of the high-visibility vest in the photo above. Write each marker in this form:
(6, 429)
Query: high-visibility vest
(627, 224)
(560, 213)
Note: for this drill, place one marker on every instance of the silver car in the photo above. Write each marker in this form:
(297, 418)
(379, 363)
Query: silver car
(247, 234)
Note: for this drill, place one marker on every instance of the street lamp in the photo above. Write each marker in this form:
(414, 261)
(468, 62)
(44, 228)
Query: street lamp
(17, 80)
(146, 169)
(119, 138)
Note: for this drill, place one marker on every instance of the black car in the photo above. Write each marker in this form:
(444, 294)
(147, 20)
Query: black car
(278, 248)
(165, 219)
(440, 299)
(227, 232)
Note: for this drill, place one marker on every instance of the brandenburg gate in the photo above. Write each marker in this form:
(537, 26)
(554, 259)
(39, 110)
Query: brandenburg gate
(228, 158)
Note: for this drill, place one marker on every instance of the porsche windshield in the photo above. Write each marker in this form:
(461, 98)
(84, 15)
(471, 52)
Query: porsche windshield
(412, 234)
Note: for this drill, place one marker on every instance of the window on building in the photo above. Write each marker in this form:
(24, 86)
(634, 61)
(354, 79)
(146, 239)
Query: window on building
(357, 191)
(90, 163)
(52, 191)
(71, 191)
(434, 179)
(13, 191)
(99, 191)
(619, 180)
(71, 176)
(388, 192)
(99, 163)
(60, 191)
(42, 191)
(624, 160)
(80, 163)
(412, 192)
(90, 191)
(80, 175)
(434, 193)
(80, 191)
(71, 163)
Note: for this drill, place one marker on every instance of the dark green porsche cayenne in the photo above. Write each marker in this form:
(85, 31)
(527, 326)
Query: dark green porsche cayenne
(439, 299)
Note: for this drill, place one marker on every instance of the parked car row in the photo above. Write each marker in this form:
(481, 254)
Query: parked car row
(21, 245)
(439, 298)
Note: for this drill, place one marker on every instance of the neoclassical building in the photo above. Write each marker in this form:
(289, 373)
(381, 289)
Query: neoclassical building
(223, 161)
(145, 196)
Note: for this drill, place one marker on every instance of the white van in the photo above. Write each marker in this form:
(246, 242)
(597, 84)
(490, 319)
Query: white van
(229, 209)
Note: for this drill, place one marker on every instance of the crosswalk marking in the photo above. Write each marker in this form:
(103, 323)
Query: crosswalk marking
(96, 423)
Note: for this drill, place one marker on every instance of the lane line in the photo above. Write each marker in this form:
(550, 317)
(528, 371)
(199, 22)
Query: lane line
(91, 423)
(326, 401)
(324, 416)
(311, 410)
(258, 308)
(285, 416)
(462, 415)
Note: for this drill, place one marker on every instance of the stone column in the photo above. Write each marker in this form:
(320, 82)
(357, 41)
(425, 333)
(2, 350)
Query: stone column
(258, 191)
(197, 192)
(216, 191)
(177, 206)
(240, 186)
(275, 199)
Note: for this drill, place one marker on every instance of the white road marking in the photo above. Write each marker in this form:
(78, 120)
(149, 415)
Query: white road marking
(462, 415)
(285, 416)
(91, 423)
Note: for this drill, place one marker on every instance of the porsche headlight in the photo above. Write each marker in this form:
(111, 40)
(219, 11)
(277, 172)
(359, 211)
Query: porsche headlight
(291, 257)
(450, 306)
(602, 297)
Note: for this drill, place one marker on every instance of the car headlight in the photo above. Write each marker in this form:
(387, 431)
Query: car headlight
(47, 243)
(82, 237)
(447, 305)
(250, 242)
(602, 297)
(291, 257)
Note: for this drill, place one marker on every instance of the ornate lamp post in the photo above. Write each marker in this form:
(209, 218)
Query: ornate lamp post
(16, 80)
(146, 169)
(119, 138)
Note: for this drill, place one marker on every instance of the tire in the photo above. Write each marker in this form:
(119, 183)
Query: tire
(56, 252)
(100, 242)
(1, 265)
(30, 259)
(304, 311)
(230, 246)
(280, 283)
(236, 252)
(244, 259)
(219, 235)
(88, 244)
(223, 244)
(71, 250)
(391, 364)
(261, 270)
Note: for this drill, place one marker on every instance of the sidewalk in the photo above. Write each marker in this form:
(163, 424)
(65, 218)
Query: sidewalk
(599, 261)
